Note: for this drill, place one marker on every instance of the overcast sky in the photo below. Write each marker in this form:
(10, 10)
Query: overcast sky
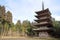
(25, 9)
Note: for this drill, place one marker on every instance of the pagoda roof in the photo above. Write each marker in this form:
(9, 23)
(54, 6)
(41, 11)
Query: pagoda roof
(42, 28)
(42, 20)
(42, 23)
(43, 11)
(42, 15)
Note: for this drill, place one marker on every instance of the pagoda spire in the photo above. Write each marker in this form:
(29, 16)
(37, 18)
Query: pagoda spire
(42, 5)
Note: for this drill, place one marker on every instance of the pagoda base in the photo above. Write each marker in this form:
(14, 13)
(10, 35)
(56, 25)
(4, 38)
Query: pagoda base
(43, 34)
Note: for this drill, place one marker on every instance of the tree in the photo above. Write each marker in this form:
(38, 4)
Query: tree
(0, 29)
(27, 28)
(18, 26)
(13, 28)
(24, 26)
(56, 25)
(6, 28)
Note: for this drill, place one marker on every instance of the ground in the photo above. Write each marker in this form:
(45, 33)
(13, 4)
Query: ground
(26, 38)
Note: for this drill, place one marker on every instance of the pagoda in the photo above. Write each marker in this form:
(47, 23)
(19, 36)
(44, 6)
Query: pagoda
(43, 24)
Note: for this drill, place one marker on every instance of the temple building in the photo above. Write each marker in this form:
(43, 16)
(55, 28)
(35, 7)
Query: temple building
(44, 26)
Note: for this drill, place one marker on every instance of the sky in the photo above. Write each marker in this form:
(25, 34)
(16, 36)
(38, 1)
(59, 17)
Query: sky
(25, 9)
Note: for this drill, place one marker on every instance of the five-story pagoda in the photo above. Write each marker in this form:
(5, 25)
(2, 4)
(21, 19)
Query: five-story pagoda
(44, 25)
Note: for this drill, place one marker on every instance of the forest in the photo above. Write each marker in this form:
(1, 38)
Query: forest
(23, 29)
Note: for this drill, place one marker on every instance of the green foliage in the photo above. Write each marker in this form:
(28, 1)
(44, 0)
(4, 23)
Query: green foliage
(27, 28)
(6, 26)
(25, 25)
(56, 25)
(0, 28)
(18, 26)
(57, 28)
(13, 28)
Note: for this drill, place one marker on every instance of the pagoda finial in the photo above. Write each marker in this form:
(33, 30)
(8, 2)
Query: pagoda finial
(42, 5)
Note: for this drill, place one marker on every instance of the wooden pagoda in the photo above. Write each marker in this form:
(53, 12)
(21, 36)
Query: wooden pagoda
(44, 25)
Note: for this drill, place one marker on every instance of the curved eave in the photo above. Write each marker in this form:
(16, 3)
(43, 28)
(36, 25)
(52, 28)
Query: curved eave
(43, 11)
(43, 24)
(42, 29)
(44, 15)
(41, 20)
